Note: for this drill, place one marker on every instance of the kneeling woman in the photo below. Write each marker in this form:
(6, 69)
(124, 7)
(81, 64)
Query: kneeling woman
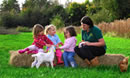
(94, 43)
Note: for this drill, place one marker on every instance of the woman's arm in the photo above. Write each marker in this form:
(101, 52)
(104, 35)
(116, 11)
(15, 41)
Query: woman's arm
(100, 43)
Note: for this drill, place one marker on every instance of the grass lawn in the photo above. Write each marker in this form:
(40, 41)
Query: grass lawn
(115, 45)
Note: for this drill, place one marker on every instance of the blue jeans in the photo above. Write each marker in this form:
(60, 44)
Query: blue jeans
(68, 58)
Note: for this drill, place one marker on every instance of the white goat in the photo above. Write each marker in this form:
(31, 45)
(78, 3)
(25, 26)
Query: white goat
(44, 57)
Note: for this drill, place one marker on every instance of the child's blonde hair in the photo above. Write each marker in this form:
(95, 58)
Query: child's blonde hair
(37, 29)
(48, 27)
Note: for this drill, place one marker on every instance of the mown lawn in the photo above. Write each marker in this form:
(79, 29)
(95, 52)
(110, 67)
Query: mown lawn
(115, 45)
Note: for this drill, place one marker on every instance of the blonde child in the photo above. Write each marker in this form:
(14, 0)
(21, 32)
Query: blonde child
(40, 40)
(51, 34)
(69, 45)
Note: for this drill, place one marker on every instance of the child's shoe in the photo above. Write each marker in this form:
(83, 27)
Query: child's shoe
(22, 51)
(33, 52)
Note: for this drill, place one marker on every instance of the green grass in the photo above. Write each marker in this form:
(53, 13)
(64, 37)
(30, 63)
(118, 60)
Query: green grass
(115, 45)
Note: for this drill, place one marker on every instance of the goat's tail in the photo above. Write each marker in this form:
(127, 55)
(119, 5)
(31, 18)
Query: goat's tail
(34, 55)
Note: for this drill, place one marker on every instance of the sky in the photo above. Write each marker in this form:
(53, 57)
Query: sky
(61, 1)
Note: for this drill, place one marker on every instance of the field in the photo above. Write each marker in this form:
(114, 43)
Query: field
(115, 45)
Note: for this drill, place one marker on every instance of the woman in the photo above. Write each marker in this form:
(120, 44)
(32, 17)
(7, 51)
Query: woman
(94, 43)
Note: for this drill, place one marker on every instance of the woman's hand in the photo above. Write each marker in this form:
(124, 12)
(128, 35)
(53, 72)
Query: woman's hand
(83, 43)
(100, 42)
(87, 43)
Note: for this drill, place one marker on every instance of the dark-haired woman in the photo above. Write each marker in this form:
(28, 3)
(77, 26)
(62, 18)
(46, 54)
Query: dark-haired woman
(94, 43)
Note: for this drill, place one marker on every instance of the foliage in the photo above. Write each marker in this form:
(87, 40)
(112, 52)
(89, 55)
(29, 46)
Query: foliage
(42, 11)
(112, 9)
(7, 31)
(9, 20)
(76, 11)
(10, 5)
(9, 13)
(100, 16)
(23, 29)
(58, 22)
(123, 9)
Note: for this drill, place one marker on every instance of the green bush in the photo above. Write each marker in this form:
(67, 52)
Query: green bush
(58, 22)
(23, 29)
(4, 30)
(102, 16)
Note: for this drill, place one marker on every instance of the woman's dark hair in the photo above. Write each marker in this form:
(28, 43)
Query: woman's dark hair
(71, 30)
(87, 20)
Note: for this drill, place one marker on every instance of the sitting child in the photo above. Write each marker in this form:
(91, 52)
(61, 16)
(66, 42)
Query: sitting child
(40, 40)
(51, 34)
(69, 45)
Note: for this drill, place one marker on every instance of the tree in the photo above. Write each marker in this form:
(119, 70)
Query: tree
(123, 9)
(76, 11)
(10, 5)
(35, 3)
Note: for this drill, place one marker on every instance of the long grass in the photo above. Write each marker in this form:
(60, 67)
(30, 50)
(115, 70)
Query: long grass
(115, 45)
(119, 28)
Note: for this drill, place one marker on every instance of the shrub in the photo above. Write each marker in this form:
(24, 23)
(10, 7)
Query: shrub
(23, 29)
(58, 22)
(7, 31)
(101, 16)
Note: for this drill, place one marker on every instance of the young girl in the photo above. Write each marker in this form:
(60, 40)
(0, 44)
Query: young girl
(69, 46)
(40, 40)
(51, 33)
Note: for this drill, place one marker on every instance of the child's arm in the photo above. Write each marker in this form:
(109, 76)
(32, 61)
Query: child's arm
(66, 45)
(39, 42)
(60, 43)
(47, 40)
(48, 45)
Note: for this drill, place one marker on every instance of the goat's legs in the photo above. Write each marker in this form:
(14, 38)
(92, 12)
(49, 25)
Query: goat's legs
(34, 63)
(47, 64)
(51, 64)
(38, 64)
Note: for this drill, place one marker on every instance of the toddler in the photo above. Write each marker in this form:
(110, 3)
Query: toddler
(51, 34)
(69, 45)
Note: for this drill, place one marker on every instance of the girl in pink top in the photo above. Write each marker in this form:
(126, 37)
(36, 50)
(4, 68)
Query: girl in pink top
(40, 40)
(69, 45)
